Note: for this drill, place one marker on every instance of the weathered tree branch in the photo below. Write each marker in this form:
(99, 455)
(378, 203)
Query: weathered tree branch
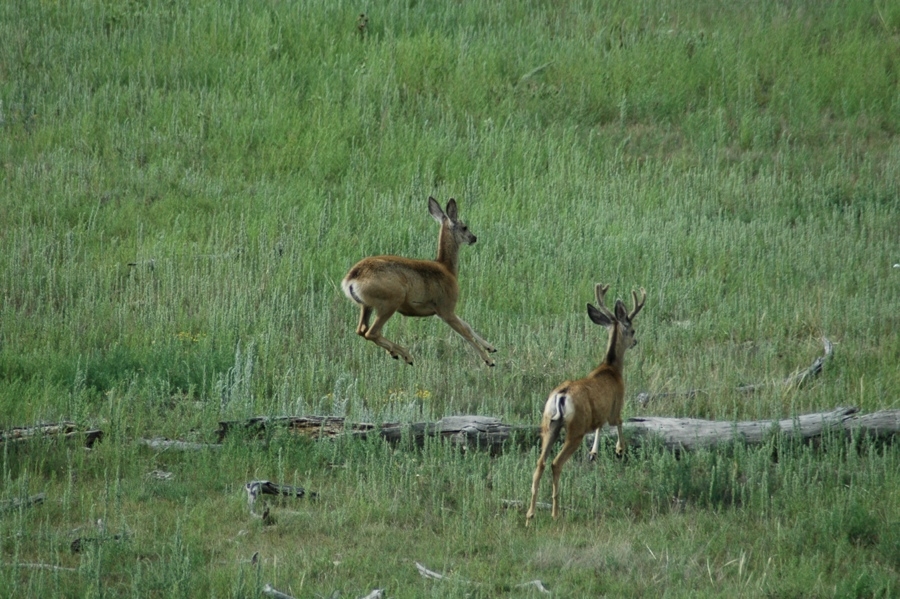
(46, 567)
(799, 378)
(270, 591)
(12, 505)
(64, 430)
(255, 488)
(482, 432)
(432, 575)
(691, 433)
(162, 444)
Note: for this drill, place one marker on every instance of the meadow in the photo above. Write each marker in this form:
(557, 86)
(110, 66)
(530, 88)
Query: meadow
(184, 184)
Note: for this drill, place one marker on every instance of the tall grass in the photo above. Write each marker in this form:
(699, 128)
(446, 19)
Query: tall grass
(184, 184)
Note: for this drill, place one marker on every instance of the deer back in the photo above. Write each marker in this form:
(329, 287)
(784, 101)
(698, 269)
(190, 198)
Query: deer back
(411, 287)
(595, 399)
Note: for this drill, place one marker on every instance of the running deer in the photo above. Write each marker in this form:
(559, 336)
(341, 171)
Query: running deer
(388, 284)
(587, 404)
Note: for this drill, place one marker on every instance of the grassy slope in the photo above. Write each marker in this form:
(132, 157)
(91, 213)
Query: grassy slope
(184, 184)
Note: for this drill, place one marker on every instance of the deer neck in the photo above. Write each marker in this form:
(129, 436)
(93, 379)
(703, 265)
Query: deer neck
(448, 250)
(615, 350)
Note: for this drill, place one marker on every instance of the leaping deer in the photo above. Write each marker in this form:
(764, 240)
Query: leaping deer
(587, 404)
(388, 284)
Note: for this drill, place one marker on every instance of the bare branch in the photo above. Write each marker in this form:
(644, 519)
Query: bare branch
(45, 567)
(535, 583)
(162, 444)
(270, 591)
(426, 573)
(14, 504)
(255, 488)
(797, 379)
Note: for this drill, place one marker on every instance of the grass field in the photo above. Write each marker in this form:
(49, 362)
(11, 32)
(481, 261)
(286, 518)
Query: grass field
(184, 184)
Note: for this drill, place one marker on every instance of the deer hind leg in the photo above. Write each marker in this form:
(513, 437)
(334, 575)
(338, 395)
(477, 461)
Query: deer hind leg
(373, 334)
(535, 483)
(365, 313)
(550, 430)
(462, 327)
(569, 447)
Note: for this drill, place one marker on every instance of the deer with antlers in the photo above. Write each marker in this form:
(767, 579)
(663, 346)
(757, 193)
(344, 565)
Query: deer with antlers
(587, 404)
(384, 285)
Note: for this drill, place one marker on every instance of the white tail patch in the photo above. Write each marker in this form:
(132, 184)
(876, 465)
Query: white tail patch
(558, 408)
(347, 286)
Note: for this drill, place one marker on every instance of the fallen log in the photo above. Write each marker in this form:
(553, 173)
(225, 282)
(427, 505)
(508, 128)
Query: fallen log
(480, 432)
(312, 426)
(689, 434)
(16, 504)
(162, 444)
(676, 434)
(475, 432)
(60, 430)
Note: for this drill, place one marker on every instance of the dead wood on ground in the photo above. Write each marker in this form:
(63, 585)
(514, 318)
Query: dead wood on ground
(491, 434)
(55, 430)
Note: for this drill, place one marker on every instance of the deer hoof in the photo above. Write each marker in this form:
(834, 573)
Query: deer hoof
(592, 457)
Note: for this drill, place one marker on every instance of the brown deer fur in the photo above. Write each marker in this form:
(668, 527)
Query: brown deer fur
(587, 404)
(388, 284)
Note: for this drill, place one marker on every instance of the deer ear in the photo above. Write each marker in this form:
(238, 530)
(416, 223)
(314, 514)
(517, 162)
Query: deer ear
(451, 209)
(598, 317)
(435, 209)
(621, 311)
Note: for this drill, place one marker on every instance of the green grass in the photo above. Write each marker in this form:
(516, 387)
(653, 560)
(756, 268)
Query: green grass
(184, 184)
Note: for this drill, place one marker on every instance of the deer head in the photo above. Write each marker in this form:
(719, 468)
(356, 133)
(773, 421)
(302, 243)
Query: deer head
(449, 220)
(622, 318)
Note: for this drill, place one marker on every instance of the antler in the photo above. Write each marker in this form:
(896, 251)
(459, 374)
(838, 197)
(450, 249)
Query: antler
(637, 305)
(600, 291)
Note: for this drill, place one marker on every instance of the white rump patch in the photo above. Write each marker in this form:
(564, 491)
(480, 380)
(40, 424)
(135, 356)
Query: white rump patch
(558, 408)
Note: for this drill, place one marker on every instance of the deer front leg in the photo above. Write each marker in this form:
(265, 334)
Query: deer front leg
(463, 328)
(487, 346)
(595, 447)
(620, 443)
